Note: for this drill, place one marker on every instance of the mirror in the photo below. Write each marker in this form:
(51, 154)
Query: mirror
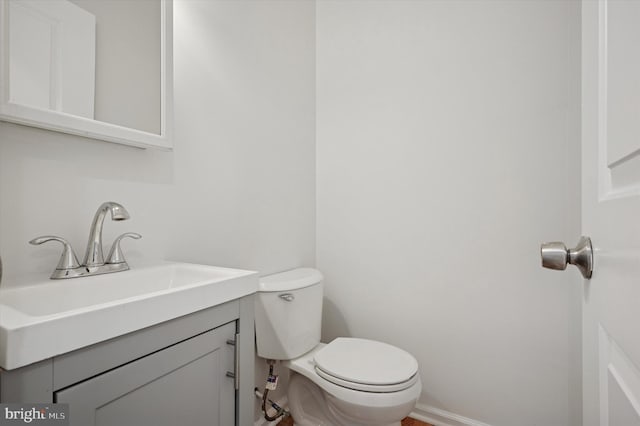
(95, 68)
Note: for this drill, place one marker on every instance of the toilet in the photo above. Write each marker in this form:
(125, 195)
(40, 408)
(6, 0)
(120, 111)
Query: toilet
(349, 381)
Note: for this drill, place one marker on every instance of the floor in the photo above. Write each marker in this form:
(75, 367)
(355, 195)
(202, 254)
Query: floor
(408, 421)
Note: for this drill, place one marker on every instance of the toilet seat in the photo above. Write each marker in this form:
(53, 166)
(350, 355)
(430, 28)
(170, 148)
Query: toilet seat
(305, 366)
(366, 365)
(368, 388)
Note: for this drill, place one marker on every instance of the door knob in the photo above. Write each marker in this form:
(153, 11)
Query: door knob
(555, 255)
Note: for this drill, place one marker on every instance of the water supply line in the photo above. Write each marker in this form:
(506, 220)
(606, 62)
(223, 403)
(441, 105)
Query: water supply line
(272, 382)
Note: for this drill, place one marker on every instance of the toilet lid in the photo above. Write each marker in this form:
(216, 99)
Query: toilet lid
(366, 365)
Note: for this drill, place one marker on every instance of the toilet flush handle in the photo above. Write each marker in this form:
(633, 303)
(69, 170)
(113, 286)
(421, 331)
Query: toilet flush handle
(287, 297)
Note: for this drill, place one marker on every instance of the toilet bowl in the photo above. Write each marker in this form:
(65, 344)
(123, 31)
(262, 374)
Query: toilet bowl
(349, 381)
(316, 398)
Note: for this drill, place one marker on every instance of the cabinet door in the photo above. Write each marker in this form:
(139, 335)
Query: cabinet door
(184, 384)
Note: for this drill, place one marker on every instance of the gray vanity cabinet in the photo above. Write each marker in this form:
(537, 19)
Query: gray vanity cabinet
(180, 372)
(185, 384)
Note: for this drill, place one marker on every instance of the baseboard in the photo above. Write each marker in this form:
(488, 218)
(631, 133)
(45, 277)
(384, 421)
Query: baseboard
(283, 402)
(439, 417)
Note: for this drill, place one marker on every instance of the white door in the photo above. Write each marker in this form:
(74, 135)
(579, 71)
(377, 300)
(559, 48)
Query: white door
(611, 211)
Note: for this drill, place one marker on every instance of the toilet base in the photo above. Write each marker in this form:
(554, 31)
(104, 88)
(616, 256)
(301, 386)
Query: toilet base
(311, 406)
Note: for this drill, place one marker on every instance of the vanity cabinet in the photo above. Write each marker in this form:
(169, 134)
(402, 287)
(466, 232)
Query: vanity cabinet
(193, 370)
(184, 384)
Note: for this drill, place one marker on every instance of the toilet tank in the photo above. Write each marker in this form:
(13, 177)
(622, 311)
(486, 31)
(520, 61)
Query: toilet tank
(288, 310)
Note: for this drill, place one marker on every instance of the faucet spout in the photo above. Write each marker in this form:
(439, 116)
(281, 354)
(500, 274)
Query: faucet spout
(94, 255)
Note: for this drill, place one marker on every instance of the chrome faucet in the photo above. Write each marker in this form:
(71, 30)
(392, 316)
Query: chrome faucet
(93, 263)
(93, 255)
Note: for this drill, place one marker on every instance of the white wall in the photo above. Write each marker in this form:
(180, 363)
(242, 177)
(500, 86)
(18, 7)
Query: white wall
(447, 151)
(238, 189)
(128, 49)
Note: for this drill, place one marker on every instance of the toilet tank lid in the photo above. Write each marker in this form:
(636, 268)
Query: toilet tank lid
(290, 280)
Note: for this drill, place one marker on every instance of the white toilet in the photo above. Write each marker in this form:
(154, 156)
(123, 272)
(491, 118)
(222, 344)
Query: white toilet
(354, 382)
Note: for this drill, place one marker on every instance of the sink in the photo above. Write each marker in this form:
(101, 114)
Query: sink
(56, 297)
(47, 318)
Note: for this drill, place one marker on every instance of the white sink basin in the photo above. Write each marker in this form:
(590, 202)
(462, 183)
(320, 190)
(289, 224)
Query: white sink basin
(50, 317)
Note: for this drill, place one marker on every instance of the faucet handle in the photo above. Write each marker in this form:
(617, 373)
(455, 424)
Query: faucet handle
(115, 254)
(68, 260)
